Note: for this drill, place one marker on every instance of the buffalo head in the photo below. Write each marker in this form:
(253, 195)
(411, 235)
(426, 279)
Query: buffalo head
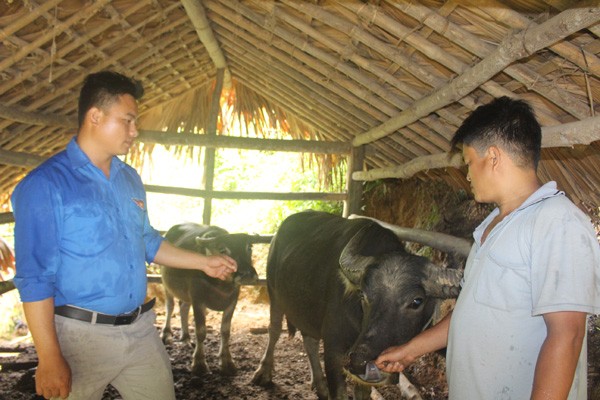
(397, 291)
(235, 245)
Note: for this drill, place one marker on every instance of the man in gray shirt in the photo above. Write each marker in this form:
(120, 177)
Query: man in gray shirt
(519, 325)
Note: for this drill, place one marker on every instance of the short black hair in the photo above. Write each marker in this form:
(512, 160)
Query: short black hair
(504, 122)
(102, 88)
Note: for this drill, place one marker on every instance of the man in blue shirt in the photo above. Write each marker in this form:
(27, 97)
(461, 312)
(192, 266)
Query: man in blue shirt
(82, 240)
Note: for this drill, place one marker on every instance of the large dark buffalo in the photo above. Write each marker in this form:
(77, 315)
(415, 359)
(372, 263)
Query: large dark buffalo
(352, 284)
(201, 291)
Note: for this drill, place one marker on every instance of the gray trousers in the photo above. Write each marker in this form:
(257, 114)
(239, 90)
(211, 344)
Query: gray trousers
(132, 358)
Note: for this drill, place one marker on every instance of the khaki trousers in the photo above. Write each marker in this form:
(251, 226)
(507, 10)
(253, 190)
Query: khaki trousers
(131, 358)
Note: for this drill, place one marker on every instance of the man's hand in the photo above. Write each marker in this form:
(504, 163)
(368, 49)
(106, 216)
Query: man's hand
(397, 358)
(53, 374)
(220, 267)
(53, 378)
(394, 359)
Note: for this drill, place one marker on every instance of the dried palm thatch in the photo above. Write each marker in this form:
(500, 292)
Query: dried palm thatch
(397, 77)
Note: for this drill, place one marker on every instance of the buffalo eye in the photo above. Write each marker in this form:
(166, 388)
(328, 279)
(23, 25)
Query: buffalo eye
(416, 303)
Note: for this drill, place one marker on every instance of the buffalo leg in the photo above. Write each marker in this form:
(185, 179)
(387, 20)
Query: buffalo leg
(199, 365)
(336, 380)
(227, 365)
(184, 316)
(311, 345)
(263, 376)
(362, 392)
(167, 335)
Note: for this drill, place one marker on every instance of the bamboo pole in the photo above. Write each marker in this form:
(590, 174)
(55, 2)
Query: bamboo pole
(513, 48)
(354, 189)
(195, 10)
(247, 195)
(209, 152)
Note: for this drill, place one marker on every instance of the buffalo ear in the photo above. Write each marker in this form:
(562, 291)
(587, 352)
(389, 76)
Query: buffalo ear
(442, 282)
(352, 263)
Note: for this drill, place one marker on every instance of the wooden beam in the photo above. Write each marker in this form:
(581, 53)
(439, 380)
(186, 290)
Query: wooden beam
(29, 160)
(414, 166)
(19, 114)
(354, 188)
(20, 159)
(513, 48)
(566, 135)
(209, 153)
(301, 146)
(197, 14)
(6, 218)
(6, 286)
(247, 195)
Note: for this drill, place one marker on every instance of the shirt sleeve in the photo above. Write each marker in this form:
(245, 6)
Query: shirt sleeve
(565, 273)
(36, 206)
(152, 239)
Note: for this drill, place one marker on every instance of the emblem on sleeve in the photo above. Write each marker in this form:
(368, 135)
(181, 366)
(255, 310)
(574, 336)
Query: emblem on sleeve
(139, 203)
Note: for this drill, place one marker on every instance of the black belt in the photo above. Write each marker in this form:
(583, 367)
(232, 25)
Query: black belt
(99, 318)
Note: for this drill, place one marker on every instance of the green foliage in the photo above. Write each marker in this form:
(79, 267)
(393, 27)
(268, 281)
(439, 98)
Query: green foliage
(244, 171)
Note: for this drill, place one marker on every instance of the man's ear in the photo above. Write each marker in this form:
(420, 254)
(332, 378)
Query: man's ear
(94, 114)
(495, 155)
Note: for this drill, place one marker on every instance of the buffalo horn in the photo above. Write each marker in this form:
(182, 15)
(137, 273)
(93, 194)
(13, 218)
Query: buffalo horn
(442, 282)
(352, 263)
(204, 241)
(437, 240)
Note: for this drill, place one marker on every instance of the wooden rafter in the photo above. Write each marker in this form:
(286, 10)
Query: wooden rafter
(513, 48)
(197, 14)
(566, 135)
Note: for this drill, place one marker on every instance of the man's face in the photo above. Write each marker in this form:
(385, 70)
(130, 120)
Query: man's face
(479, 173)
(118, 126)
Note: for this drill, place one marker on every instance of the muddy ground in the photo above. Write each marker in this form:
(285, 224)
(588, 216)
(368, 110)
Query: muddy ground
(291, 379)
(248, 341)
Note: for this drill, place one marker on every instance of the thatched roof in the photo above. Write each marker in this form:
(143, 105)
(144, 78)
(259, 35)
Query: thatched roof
(396, 76)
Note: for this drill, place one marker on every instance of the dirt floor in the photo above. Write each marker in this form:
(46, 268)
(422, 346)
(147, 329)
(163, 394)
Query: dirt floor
(291, 378)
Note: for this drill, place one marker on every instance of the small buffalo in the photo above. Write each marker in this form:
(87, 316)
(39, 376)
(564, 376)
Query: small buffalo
(352, 284)
(201, 291)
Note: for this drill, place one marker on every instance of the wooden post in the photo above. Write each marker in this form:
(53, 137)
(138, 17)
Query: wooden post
(209, 153)
(354, 188)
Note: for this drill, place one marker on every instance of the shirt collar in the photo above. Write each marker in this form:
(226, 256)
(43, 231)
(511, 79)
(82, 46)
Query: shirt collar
(544, 192)
(79, 159)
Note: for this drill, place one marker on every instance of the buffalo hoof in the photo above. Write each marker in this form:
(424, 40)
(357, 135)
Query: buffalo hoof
(167, 338)
(185, 337)
(228, 369)
(321, 389)
(200, 369)
(262, 378)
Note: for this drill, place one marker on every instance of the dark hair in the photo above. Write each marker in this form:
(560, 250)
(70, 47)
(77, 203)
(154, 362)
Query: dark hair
(507, 123)
(102, 88)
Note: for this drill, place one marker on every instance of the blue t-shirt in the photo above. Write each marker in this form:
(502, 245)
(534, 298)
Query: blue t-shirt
(80, 237)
